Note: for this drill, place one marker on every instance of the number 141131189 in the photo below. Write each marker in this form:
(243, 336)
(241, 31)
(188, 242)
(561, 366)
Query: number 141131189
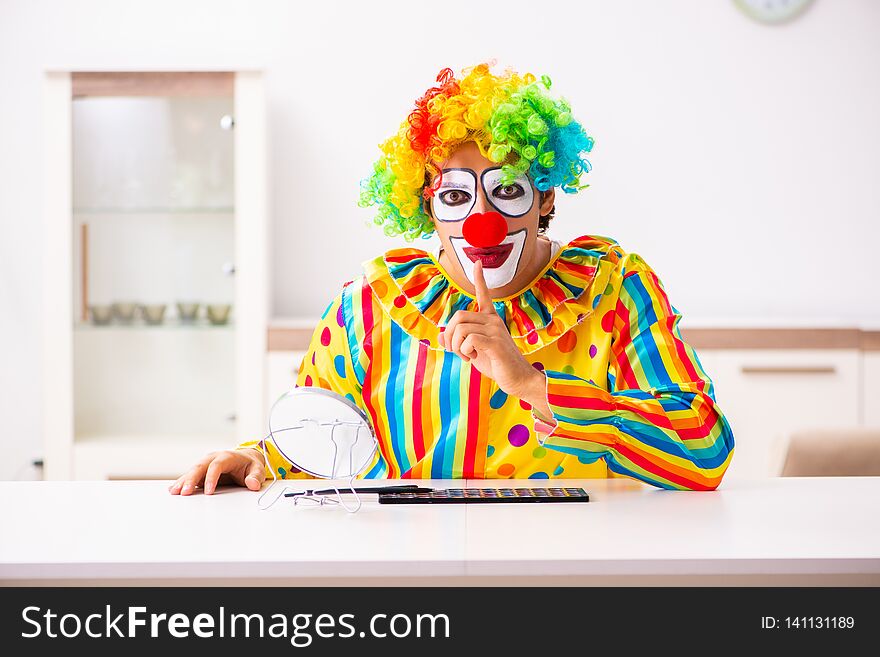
(808, 622)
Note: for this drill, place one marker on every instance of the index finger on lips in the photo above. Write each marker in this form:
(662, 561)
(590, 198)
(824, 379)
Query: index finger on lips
(484, 298)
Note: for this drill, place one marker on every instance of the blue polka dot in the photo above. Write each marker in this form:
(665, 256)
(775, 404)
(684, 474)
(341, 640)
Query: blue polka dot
(586, 459)
(350, 397)
(339, 363)
(282, 472)
(539, 475)
(558, 471)
(497, 400)
(490, 450)
(596, 300)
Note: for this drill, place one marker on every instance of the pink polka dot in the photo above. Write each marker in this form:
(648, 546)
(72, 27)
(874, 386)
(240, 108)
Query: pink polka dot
(313, 357)
(308, 380)
(593, 351)
(339, 318)
(532, 338)
(325, 336)
(518, 435)
(400, 301)
(608, 321)
(526, 406)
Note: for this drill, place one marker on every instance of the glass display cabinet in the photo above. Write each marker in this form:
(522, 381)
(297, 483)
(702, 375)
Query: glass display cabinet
(155, 296)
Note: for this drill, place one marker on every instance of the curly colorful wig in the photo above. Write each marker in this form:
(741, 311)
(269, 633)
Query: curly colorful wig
(513, 121)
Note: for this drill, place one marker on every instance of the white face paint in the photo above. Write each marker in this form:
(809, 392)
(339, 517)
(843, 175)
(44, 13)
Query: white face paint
(499, 262)
(513, 200)
(454, 201)
(457, 194)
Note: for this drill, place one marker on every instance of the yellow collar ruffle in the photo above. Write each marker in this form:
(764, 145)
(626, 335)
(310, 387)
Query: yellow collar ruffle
(417, 294)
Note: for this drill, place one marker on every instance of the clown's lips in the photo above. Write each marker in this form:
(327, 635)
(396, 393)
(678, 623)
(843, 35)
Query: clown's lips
(492, 257)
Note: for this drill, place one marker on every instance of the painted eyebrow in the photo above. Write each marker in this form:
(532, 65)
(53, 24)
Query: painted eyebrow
(455, 185)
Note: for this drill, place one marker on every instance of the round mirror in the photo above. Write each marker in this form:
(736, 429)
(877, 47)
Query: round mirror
(322, 433)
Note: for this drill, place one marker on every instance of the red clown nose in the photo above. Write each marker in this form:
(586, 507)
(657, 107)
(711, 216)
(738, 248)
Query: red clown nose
(484, 229)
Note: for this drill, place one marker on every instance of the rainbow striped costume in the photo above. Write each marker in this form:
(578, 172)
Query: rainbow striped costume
(628, 395)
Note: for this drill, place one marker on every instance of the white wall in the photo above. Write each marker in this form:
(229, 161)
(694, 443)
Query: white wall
(740, 160)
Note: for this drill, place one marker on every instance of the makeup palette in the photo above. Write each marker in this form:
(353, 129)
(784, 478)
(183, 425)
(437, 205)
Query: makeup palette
(483, 495)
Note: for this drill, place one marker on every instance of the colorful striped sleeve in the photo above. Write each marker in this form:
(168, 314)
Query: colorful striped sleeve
(659, 423)
(327, 364)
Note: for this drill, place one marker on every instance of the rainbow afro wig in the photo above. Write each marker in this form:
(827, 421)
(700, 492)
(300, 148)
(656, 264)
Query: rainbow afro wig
(514, 122)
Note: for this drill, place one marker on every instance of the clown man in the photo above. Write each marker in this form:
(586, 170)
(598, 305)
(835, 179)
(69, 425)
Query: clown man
(503, 354)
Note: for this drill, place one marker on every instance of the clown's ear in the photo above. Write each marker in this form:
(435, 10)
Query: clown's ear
(545, 218)
(548, 198)
(426, 206)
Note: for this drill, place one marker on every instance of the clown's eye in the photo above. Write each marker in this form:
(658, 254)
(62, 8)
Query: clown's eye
(507, 192)
(454, 197)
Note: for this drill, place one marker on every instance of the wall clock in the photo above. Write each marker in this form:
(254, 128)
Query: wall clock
(772, 11)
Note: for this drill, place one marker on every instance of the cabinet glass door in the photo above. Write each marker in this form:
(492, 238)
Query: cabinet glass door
(153, 240)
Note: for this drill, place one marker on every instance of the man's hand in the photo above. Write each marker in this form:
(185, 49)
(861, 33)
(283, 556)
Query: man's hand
(244, 467)
(482, 339)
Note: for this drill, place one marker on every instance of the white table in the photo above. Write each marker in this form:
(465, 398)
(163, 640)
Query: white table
(809, 531)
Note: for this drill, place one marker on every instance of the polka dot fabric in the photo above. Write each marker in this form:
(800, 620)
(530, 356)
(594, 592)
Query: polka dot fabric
(628, 396)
